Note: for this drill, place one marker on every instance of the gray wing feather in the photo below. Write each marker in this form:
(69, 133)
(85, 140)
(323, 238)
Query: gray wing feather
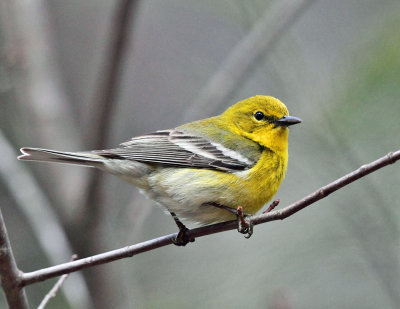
(176, 148)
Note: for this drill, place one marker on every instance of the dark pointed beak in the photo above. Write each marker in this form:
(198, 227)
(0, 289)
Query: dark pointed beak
(286, 121)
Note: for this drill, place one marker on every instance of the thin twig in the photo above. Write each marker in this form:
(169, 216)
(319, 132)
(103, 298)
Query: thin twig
(9, 273)
(53, 292)
(129, 251)
(245, 56)
(272, 206)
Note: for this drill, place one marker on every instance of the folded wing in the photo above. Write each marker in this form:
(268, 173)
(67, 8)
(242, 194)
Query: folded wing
(179, 149)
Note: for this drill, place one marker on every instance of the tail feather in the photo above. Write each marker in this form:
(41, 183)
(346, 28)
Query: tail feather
(47, 155)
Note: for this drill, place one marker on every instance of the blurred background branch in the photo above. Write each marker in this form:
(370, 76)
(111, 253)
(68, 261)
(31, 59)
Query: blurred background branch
(246, 55)
(109, 79)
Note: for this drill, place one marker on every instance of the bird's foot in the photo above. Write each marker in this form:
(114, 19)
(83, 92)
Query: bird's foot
(244, 226)
(181, 239)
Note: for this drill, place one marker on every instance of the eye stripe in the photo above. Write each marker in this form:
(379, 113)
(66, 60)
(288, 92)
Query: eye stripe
(271, 119)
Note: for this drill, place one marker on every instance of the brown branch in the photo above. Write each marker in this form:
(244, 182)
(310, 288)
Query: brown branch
(129, 251)
(9, 273)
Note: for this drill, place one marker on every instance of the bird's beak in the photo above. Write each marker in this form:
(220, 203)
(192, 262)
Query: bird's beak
(286, 121)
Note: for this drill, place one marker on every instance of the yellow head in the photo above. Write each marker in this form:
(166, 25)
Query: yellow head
(262, 119)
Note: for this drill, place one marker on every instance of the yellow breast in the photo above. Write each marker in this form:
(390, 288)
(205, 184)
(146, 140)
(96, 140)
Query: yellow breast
(253, 188)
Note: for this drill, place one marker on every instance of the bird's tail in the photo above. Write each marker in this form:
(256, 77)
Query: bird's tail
(46, 155)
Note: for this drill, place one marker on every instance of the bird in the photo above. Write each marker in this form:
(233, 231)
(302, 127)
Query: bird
(204, 170)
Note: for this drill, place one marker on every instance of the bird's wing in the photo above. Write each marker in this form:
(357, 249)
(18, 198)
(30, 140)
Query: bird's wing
(181, 149)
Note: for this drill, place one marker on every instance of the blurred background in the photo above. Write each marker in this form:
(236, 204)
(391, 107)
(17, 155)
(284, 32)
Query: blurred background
(78, 75)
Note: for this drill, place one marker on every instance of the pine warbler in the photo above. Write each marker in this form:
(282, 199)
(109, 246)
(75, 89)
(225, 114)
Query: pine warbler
(201, 170)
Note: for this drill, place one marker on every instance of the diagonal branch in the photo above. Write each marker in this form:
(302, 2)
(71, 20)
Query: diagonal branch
(129, 251)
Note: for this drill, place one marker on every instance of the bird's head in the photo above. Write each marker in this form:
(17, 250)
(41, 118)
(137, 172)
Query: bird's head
(263, 119)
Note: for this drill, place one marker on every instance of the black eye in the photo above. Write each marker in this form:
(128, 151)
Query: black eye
(259, 116)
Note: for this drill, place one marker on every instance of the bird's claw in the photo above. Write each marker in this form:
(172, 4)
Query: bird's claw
(181, 239)
(244, 226)
(247, 230)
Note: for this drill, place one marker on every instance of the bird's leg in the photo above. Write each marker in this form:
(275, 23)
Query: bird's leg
(180, 239)
(272, 206)
(223, 207)
(244, 227)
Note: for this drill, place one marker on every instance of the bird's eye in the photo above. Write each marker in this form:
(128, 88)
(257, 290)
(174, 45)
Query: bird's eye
(259, 116)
